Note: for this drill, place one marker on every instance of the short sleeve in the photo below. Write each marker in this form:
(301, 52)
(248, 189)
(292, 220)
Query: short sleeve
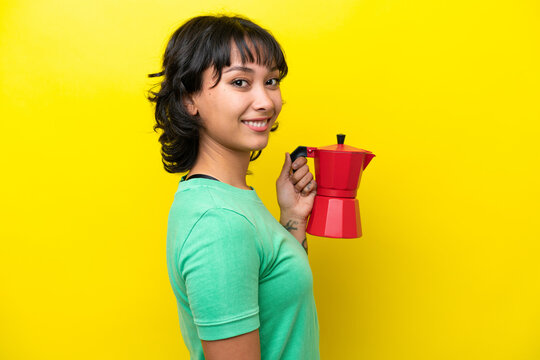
(219, 263)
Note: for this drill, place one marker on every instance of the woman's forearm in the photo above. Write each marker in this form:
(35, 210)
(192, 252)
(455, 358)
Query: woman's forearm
(296, 227)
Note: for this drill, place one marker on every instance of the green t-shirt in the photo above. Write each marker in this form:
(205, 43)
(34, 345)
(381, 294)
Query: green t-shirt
(234, 268)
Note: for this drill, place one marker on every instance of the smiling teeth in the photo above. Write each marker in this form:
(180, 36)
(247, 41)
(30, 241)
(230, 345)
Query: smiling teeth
(256, 123)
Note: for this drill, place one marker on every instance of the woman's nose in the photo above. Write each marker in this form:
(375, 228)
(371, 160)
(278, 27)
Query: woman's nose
(262, 99)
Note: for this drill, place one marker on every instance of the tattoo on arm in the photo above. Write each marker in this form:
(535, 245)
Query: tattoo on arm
(290, 225)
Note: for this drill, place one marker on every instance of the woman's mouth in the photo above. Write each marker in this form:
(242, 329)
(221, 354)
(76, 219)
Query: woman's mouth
(256, 125)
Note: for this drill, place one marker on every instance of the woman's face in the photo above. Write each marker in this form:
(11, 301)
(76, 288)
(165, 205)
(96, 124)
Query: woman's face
(239, 112)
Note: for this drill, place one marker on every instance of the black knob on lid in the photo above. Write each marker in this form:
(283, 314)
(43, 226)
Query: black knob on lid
(340, 138)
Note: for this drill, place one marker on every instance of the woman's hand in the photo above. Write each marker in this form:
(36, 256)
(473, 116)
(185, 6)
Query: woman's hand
(296, 191)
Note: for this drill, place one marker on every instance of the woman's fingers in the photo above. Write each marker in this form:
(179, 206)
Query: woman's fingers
(299, 174)
(299, 162)
(302, 178)
(304, 182)
(310, 187)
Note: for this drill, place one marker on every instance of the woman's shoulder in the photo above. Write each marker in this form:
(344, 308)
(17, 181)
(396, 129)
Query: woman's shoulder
(191, 202)
(213, 193)
(192, 191)
(197, 198)
(199, 195)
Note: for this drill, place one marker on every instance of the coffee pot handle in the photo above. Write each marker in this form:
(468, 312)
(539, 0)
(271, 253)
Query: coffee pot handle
(299, 151)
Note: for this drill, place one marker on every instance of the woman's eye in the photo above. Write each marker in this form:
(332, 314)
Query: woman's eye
(277, 81)
(238, 82)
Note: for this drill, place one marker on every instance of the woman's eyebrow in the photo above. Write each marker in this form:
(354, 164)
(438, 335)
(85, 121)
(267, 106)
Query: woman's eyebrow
(246, 69)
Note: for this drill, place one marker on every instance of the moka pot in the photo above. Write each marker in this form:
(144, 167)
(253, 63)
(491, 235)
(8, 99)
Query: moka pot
(338, 171)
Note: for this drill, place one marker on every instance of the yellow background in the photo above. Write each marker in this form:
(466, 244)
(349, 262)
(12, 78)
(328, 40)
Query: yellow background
(445, 93)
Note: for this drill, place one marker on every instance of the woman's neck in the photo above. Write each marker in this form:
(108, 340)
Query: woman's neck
(226, 165)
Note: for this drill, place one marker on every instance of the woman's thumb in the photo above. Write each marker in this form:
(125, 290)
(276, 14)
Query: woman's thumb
(286, 165)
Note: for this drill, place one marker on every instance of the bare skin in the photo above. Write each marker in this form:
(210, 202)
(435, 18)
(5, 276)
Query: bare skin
(242, 347)
(296, 193)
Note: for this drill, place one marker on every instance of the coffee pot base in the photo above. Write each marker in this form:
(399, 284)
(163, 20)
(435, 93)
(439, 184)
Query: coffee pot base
(335, 218)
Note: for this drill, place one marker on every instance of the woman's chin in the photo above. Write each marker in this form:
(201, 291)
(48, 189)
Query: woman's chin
(259, 146)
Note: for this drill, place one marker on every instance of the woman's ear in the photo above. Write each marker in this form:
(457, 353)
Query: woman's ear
(190, 105)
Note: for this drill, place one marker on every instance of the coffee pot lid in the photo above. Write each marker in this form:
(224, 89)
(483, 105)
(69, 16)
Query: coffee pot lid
(341, 147)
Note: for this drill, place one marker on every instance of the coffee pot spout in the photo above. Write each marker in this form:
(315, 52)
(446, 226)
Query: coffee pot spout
(367, 160)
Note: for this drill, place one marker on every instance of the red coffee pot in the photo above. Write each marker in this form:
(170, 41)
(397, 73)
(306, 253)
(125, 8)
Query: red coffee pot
(338, 170)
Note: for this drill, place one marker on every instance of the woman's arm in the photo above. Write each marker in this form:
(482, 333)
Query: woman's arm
(296, 192)
(296, 227)
(241, 347)
(220, 265)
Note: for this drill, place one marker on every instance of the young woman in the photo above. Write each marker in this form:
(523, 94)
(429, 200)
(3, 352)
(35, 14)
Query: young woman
(242, 280)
